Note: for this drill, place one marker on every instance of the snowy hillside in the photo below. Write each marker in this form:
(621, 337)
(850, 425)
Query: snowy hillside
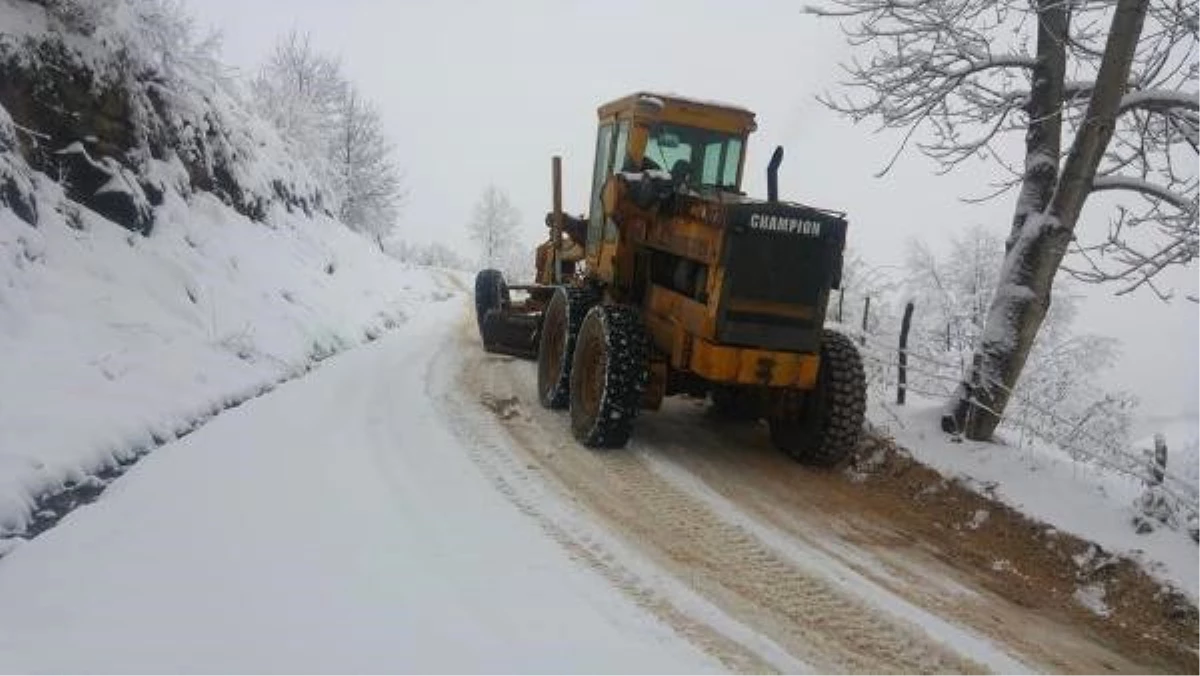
(120, 102)
(163, 254)
(114, 342)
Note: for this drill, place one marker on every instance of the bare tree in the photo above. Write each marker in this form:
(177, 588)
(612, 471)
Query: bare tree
(1058, 398)
(337, 131)
(368, 182)
(302, 91)
(959, 75)
(494, 226)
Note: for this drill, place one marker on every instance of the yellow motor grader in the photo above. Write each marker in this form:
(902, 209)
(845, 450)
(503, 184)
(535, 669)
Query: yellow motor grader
(676, 282)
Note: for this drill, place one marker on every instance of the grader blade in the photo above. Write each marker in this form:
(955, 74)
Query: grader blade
(511, 333)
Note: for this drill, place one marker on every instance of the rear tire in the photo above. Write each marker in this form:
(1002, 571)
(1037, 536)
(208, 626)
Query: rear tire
(491, 295)
(608, 376)
(823, 427)
(556, 346)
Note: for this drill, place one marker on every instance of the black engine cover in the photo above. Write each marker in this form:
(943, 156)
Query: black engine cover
(778, 253)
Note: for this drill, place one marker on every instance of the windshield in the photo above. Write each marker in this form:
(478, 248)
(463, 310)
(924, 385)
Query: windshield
(699, 157)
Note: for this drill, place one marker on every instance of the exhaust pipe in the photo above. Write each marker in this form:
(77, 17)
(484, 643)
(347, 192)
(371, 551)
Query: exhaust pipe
(773, 174)
(556, 227)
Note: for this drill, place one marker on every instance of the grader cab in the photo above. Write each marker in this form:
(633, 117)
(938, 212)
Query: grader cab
(677, 282)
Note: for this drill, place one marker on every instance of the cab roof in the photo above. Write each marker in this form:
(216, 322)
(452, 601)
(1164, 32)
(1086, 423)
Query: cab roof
(671, 105)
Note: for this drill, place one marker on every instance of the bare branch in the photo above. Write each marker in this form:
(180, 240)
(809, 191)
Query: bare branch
(1177, 200)
(1159, 100)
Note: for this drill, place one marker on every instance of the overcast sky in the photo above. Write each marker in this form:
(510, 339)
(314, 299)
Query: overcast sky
(485, 92)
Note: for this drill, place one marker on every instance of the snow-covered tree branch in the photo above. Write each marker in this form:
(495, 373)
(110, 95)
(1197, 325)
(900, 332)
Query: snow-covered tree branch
(1104, 94)
(959, 77)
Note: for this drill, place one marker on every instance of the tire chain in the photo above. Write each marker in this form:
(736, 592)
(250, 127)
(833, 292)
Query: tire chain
(579, 301)
(625, 376)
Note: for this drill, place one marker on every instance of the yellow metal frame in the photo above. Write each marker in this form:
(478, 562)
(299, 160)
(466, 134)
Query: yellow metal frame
(684, 328)
(689, 237)
(747, 366)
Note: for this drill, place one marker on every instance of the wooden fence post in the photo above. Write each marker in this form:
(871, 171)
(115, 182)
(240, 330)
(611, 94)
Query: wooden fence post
(902, 371)
(1158, 468)
(866, 312)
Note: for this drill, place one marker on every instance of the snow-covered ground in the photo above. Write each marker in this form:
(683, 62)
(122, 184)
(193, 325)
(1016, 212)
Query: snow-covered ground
(339, 523)
(342, 523)
(1047, 485)
(115, 342)
(274, 541)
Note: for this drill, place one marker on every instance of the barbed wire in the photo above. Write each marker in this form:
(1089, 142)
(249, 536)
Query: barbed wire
(1134, 466)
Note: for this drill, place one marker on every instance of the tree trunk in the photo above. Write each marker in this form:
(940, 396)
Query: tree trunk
(1043, 147)
(1043, 142)
(1040, 236)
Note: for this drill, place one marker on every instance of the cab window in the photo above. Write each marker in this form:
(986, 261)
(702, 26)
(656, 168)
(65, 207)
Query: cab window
(620, 156)
(601, 172)
(699, 157)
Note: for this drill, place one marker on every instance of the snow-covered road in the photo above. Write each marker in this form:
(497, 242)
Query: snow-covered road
(333, 526)
(404, 508)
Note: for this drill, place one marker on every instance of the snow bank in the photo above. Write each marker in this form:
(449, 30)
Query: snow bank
(113, 342)
(1047, 485)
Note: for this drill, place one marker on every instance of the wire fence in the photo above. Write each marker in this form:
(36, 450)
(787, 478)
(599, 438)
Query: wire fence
(943, 376)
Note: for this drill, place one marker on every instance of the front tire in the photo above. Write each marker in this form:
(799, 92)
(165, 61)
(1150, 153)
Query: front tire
(491, 295)
(608, 376)
(823, 427)
(556, 347)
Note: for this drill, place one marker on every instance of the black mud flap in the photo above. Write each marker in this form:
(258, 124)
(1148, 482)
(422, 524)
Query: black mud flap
(512, 333)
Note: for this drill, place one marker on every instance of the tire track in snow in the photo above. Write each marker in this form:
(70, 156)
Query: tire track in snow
(792, 509)
(802, 609)
(738, 648)
(731, 568)
(808, 552)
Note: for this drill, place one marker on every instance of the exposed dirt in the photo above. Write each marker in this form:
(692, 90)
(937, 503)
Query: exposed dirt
(1028, 563)
(880, 567)
(926, 530)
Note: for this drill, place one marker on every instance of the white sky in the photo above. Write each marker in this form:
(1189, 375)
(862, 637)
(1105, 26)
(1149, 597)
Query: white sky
(479, 92)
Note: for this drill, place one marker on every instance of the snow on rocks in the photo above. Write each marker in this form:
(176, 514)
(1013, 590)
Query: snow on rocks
(115, 342)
